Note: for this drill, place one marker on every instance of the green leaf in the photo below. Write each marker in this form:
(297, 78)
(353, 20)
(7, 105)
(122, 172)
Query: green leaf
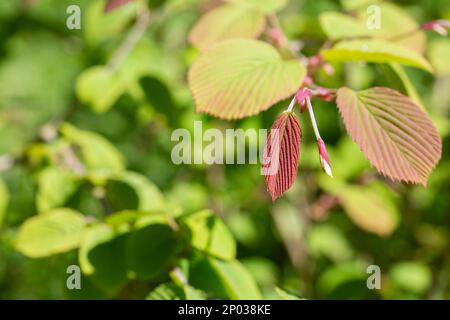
(55, 186)
(96, 151)
(379, 51)
(399, 80)
(99, 88)
(224, 279)
(396, 136)
(439, 55)
(338, 25)
(266, 6)
(4, 200)
(329, 241)
(395, 26)
(226, 22)
(209, 234)
(150, 249)
(284, 295)
(342, 274)
(358, 4)
(412, 276)
(171, 291)
(248, 77)
(189, 196)
(102, 257)
(99, 27)
(371, 207)
(141, 195)
(51, 233)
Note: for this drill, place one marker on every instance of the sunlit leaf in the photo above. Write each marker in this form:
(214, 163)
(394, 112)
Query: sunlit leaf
(439, 55)
(394, 25)
(97, 151)
(281, 154)
(55, 187)
(147, 195)
(411, 275)
(54, 232)
(226, 22)
(358, 4)
(285, 295)
(396, 136)
(209, 234)
(98, 26)
(266, 6)
(337, 25)
(238, 78)
(375, 51)
(99, 88)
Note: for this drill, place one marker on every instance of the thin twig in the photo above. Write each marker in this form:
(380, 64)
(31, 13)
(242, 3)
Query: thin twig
(131, 40)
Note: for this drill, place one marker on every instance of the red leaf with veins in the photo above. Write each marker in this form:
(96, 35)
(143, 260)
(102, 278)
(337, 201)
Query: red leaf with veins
(112, 5)
(396, 136)
(281, 154)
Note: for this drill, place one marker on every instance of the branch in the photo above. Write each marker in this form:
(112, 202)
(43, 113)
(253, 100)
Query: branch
(131, 40)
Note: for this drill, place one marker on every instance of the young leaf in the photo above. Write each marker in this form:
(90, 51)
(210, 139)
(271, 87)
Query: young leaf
(238, 78)
(375, 51)
(225, 22)
(396, 136)
(281, 154)
(112, 5)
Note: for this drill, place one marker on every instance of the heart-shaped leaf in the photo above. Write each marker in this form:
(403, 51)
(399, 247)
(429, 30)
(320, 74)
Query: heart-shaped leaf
(375, 51)
(226, 22)
(281, 154)
(394, 133)
(238, 78)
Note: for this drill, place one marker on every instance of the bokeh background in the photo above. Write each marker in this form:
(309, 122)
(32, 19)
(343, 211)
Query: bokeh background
(315, 242)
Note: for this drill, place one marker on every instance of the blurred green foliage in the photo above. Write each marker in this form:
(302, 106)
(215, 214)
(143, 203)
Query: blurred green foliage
(86, 176)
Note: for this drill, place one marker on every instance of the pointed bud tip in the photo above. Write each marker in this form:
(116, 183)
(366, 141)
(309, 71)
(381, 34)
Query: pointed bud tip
(323, 157)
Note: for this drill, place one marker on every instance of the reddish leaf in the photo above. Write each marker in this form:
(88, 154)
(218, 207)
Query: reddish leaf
(112, 5)
(394, 133)
(281, 154)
